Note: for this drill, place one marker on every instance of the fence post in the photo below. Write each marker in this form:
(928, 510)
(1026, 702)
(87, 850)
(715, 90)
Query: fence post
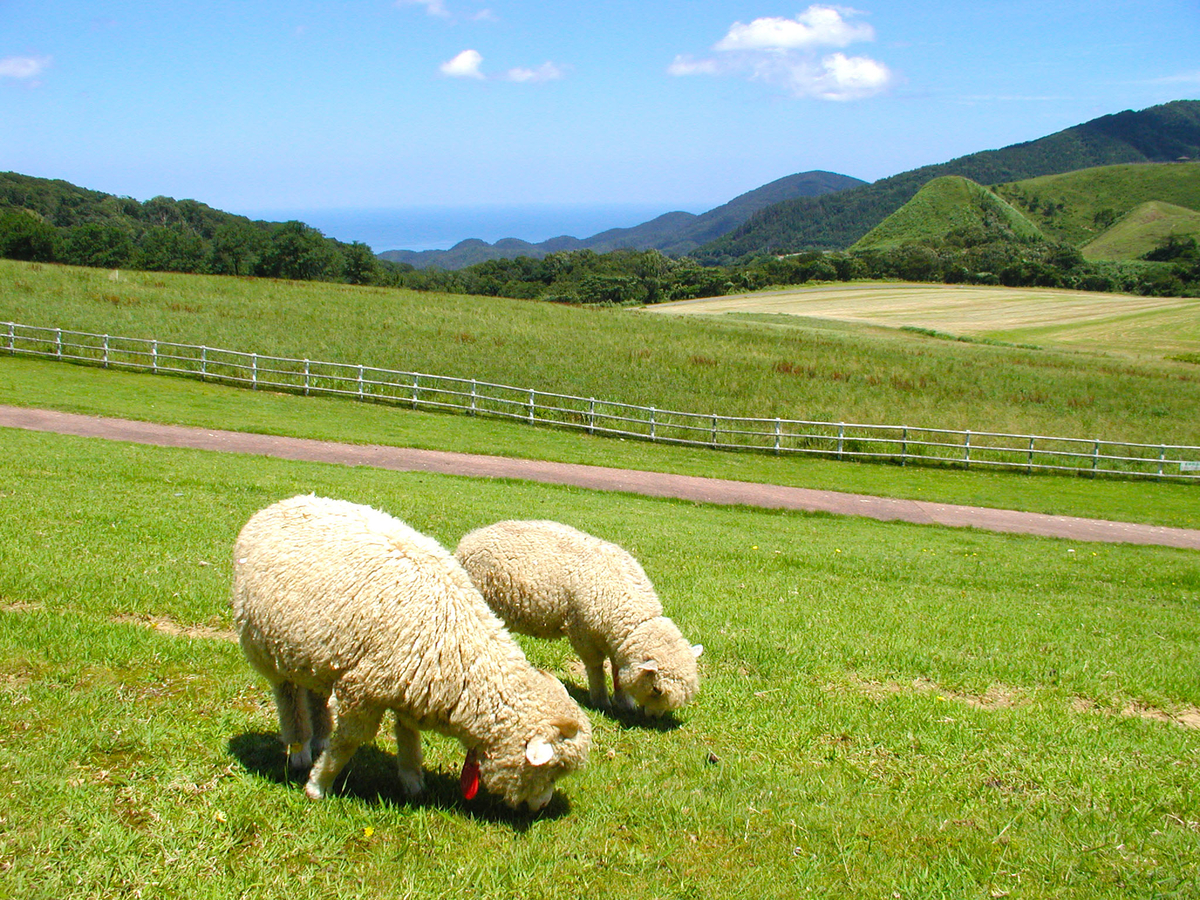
(58, 343)
(307, 379)
(652, 423)
(714, 432)
(203, 363)
(106, 351)
(1162, 458)
(967, 449)
(531, 406)
(154, 357)
(12, 338)
(591, 416)
(253, 371)
(1029, 467)
(360, 382)
(778, 434)
(416, 389)
(841, 438)
(472, 410)
(904, 446)
(1096, 455)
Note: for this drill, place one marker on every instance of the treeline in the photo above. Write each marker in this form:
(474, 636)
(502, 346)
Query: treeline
(969, 256)
(55, 221)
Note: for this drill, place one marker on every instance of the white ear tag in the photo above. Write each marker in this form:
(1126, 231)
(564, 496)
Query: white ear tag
(538, 752)
(697, 649)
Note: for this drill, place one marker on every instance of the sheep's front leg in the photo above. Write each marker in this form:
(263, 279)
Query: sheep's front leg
(593, 662)
(621, 699)
(352, 728)
(409, 759)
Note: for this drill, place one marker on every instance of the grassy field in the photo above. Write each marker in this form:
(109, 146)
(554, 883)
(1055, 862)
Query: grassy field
(887, 710)
(799, 368)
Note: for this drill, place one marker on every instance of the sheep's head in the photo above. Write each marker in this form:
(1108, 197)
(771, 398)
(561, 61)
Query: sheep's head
(658, 667)
(524, 768)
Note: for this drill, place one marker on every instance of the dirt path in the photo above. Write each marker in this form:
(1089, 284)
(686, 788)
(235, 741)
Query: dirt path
(653, 484)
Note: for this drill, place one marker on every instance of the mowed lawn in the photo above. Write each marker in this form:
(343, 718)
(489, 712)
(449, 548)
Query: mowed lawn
(1118, 324)
(886, 709)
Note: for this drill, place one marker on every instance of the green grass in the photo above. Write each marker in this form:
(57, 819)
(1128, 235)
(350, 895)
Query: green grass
(53, 385)
(1143, 229)
(886, 708)
(811, 371)
(1087, 193)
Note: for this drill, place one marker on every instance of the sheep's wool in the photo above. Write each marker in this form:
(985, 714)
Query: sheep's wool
(547, 579)
(346, 602)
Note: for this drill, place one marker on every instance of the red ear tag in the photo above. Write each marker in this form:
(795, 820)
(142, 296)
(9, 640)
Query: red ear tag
(469, 781)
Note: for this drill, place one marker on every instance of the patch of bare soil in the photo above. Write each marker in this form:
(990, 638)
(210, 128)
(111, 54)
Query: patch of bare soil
(173, 628)
(1002, 697)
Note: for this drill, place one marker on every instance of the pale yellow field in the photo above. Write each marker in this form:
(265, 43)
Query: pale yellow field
(1084, 320)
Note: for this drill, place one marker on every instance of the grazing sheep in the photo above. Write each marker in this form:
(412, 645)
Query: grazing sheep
(339, 601)
(548, 580)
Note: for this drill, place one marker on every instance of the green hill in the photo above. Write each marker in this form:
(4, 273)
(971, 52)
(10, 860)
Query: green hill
(1141, 230)
(950, 205)
(1077, 207)
(1159, 134)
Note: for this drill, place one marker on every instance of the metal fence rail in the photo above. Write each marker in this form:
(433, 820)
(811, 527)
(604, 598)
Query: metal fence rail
(835, 440)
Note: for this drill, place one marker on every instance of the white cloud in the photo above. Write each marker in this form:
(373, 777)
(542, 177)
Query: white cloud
(432, 7)
(23, 67)
(465, 65)
(817, 26)
(469, 64)
(787, 54)
(547, 71)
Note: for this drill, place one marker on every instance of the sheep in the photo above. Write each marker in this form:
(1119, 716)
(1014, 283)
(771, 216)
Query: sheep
(340, 601)
(550, 580)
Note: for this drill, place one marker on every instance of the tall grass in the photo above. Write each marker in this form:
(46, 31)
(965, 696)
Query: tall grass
(806, 370)
(886, 709)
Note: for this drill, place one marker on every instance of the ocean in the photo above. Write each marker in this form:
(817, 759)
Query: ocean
(440, 228)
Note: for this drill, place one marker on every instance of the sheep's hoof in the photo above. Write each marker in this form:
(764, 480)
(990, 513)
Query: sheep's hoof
(313, 791)
(412, 783)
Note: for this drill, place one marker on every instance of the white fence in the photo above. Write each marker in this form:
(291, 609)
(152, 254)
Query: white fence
(836, 440)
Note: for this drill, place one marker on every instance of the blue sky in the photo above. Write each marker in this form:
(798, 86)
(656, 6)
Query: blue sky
(682, 104)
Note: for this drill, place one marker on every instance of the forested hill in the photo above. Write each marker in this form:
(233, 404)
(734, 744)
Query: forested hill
(674, 233)
(835, 221)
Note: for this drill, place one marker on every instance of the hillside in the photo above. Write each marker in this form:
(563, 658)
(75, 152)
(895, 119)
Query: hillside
(674, 233)
(1077, 207)
(1141, 230)
(1159, 134)
(950, 205)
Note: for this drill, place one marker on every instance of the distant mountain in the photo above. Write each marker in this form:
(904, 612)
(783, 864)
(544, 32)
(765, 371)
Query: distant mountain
(835, 221)
(674, 233)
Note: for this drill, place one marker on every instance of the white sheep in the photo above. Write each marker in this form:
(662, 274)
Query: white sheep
(339, 601)
(547, 579)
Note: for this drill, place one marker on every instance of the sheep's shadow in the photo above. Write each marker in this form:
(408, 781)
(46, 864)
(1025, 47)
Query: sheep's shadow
(627, 719)
(370, 777)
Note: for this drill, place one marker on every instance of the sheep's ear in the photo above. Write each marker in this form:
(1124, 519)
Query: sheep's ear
(697, 649)
(566, 727)
(649, 665)
(538, 751)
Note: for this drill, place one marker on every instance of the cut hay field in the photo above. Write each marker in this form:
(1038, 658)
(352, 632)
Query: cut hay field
(1116, 324)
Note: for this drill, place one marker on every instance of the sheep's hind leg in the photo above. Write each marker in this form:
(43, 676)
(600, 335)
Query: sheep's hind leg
(409, 758)
(351, 729)
(295, 723)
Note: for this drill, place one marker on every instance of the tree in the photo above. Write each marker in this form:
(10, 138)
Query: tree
(297, 251)
(24, 236)
(102, 246)
(359, 265)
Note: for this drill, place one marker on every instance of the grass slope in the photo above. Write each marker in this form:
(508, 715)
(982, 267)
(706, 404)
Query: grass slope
(794, 369)
(1078, 206)
(1142, 229)
(944, 206)
(886, 709)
